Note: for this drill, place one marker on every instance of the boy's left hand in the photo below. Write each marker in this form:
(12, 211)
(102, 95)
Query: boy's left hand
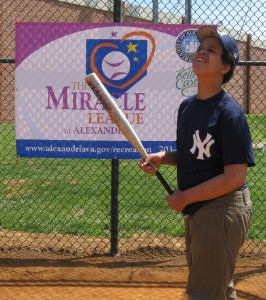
(176, 201)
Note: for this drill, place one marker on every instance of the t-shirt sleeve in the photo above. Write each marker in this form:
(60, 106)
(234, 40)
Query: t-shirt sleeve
(236, 141)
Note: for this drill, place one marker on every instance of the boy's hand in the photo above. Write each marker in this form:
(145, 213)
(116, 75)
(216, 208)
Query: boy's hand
(177, 201)
(151, 164)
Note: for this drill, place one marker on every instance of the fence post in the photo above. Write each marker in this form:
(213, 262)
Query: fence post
(117, 11)
(155, 11)
(115, 207)
(247, 92)
(115, 170)
(188, 15)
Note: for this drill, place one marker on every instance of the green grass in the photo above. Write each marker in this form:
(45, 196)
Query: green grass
(257, 125)
(73, 196)
(257, 177)
(257, 183)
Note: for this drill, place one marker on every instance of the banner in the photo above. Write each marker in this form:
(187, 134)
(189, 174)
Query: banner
(146, 68)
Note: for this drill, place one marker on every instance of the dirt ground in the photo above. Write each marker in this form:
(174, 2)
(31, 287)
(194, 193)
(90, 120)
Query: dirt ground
(42, 274)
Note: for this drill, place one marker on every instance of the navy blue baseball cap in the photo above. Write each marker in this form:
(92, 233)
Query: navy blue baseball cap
(227, 41)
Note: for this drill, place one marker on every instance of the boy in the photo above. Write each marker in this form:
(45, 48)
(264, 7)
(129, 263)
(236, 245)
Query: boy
(214, 150)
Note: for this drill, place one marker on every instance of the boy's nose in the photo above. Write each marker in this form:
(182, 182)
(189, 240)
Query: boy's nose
(202, 51)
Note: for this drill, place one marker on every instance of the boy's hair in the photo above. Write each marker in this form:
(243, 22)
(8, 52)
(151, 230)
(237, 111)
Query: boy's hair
(227, 58)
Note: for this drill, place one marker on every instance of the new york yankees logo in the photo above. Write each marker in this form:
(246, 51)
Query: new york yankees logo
(203, 146)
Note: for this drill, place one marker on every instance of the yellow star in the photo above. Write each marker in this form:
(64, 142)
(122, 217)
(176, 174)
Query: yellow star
(135, 59)
(132, 47)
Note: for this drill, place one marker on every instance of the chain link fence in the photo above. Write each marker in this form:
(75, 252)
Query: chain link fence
(83, 206)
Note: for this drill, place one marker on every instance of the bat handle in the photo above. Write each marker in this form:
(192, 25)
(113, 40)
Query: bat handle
(168, 189)
(164, 183)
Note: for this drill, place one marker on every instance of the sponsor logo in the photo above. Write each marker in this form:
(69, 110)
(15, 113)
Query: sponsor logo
(186, 82)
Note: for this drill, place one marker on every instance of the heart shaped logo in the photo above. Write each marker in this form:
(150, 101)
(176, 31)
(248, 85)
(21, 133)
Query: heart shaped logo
(139, 72)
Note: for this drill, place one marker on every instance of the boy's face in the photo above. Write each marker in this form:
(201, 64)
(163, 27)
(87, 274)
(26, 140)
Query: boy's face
(207, 61)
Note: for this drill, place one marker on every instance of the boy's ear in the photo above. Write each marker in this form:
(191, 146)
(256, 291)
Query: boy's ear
(226, 68)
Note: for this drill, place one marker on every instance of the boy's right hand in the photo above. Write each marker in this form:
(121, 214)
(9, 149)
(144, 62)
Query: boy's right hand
(150, 164)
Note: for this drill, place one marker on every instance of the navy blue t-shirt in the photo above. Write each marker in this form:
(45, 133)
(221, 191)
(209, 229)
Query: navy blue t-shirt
(211, 134)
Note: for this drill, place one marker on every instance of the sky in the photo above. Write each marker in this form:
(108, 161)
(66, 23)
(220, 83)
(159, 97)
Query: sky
(247, 16)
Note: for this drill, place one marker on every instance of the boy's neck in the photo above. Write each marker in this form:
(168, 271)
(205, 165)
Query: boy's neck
(207, 90)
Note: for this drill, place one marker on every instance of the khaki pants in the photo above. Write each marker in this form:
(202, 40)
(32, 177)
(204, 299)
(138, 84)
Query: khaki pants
(214, 236)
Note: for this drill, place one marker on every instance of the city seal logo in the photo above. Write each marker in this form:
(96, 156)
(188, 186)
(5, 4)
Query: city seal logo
(187, 44)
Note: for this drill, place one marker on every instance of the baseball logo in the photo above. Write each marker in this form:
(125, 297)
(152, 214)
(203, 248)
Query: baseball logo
(115, 65)
(120, 63)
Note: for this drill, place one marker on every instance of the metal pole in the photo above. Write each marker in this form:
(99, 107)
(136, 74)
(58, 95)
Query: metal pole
(188, 11)
(7, 60)
(155, 11)
(117, 11)
(115, 207)
(247, 108)
(115, 169)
